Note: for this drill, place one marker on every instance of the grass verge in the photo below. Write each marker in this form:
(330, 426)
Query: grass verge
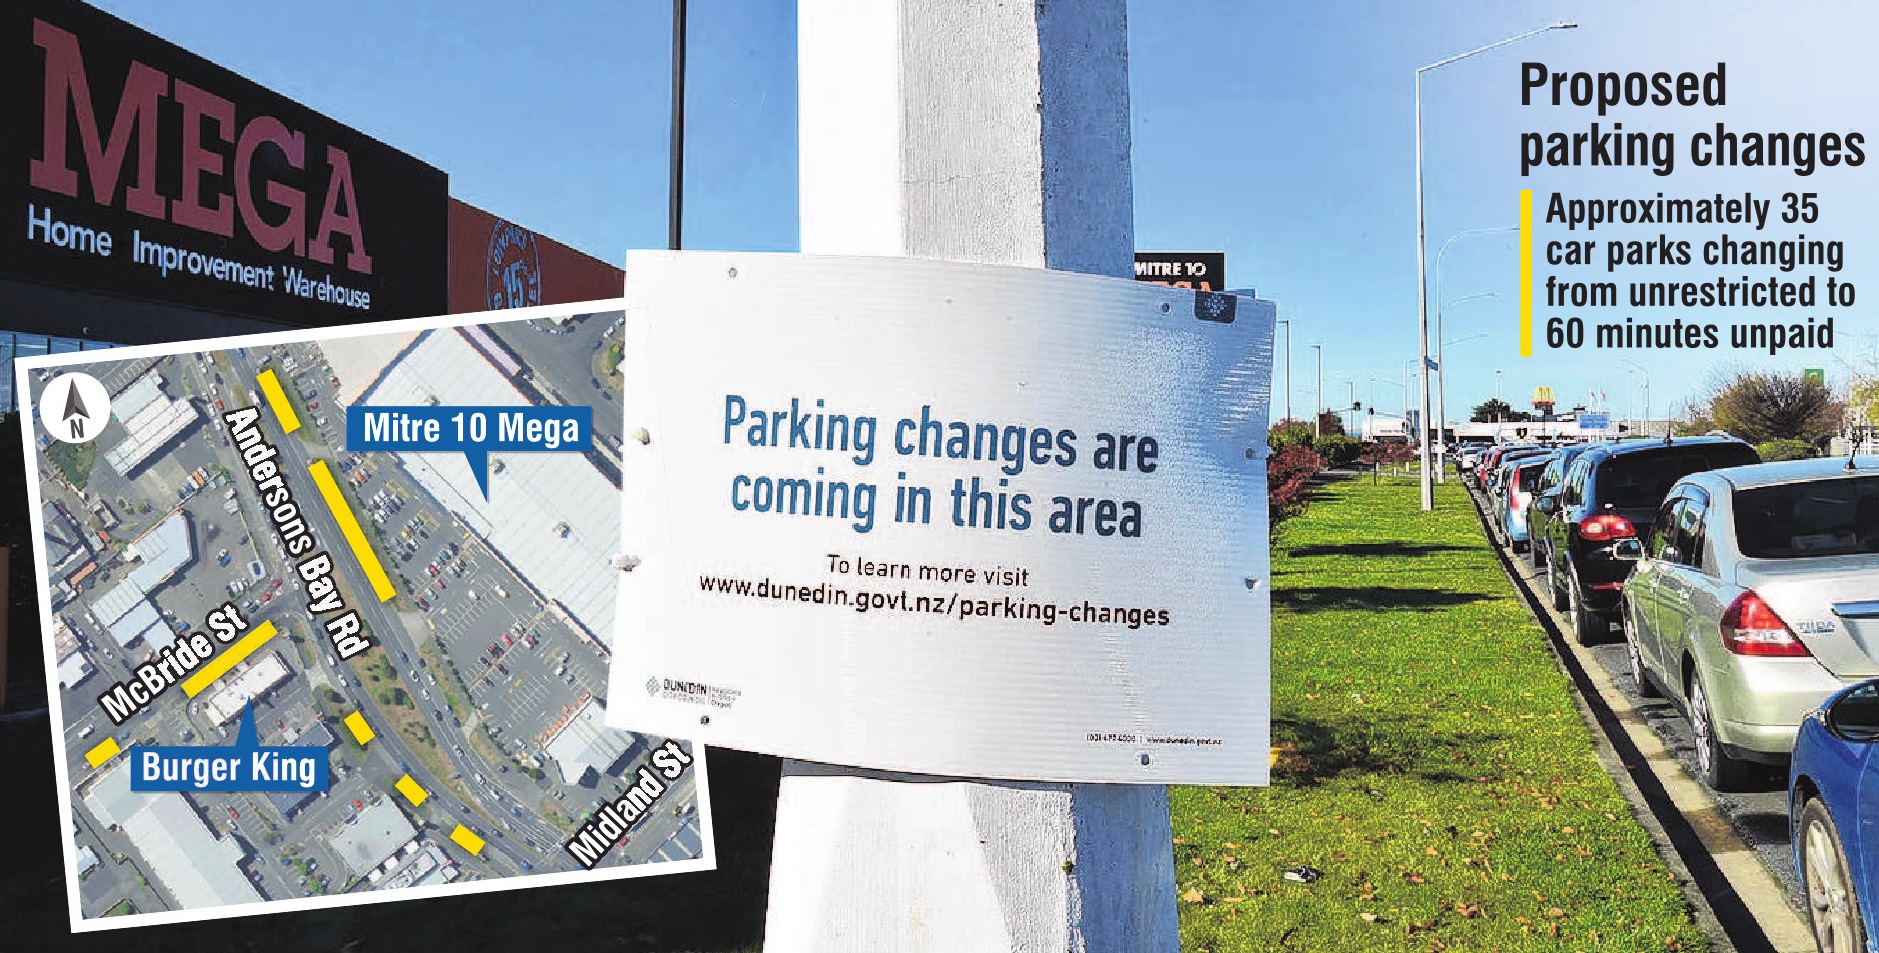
(1430, 762)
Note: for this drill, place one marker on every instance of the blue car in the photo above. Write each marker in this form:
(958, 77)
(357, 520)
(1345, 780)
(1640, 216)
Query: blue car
(1831, 817)
(1518, 478)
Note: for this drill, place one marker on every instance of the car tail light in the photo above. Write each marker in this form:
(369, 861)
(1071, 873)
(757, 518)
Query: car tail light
(1750, 627)
(1605, 527)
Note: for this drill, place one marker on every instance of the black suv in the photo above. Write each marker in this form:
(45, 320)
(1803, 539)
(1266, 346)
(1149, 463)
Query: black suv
(1609, 494)
(1549, 482)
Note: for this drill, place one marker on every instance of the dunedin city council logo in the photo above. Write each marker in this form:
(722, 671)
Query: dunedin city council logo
(74, 407)
(513, 276)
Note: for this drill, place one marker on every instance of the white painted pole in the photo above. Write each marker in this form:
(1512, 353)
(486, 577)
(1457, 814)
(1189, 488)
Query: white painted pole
(992, 133)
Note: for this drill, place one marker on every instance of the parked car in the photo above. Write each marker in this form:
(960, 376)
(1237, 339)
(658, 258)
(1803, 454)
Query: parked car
(1756, 596)
(1490, 461)
(1550, 479)
(1503, 468)
(1611, 493)
(1511, 506)
(1834, 855)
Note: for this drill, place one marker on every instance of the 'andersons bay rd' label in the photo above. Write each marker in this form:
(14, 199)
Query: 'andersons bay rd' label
(612, 819)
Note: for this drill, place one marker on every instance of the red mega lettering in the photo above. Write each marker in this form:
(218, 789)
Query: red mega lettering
(68, 96)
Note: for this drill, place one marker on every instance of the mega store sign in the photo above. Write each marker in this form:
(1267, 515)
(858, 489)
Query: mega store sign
(130, 166)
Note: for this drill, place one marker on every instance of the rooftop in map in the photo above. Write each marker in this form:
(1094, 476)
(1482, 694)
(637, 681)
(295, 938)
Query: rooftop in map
(195, 867)
(584, 743)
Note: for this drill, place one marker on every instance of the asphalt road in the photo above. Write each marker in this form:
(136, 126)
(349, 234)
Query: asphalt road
(1757, 816)
(501, 805)
(390, 632)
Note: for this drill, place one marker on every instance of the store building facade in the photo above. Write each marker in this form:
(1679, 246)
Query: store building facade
(150, 195)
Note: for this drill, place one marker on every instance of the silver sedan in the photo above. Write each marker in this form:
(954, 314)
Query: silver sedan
(1755, 597)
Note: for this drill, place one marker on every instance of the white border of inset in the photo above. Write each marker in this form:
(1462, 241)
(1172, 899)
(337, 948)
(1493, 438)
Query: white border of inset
(68, 842)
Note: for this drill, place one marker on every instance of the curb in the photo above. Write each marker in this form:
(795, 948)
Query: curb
(1735, 899)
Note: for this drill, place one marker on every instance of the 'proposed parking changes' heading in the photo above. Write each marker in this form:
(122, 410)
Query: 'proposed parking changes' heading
(473, 431)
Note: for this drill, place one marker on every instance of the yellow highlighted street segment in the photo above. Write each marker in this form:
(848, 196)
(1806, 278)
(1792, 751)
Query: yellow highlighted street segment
(277, 399)
(412, 790)
(1526, 272)
(230, 657)
(106, 750)
(467, 839)
(360, 730)
(349, 525)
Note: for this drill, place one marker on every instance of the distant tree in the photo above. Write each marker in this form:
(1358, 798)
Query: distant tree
(1387, 453)
(1865, 401)
(1338, 449)
(1775, 450)
(1494, 408)
(1288, 481)
(1491, 410)
(1762, 406)
(1289, 433)
(1691, 418)
(1330, 423)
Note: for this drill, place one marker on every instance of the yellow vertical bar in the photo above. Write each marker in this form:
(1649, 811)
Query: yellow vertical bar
(1526, 272)
(349, 527)
(277, 399)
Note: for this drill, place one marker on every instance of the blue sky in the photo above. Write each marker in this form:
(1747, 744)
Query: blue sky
(1281, 133)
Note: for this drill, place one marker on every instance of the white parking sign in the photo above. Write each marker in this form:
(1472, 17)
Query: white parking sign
(946, 518)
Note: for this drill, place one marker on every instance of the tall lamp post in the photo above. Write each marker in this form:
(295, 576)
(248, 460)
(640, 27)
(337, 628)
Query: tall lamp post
(1422, 253)
(1441, 358)
(1647, 391)
(1288, 366)
(1317, 412)
(1441, 366)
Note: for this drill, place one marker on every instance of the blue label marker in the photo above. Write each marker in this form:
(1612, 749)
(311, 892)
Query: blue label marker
(244, 766)
(472, 431)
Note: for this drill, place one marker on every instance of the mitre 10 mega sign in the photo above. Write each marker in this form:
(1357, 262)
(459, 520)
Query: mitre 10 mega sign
(132, 167)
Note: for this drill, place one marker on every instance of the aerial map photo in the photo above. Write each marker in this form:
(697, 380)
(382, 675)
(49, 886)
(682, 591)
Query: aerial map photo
(293, 672)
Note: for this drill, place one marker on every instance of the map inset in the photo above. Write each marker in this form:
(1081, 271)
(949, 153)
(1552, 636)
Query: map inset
(214, 545)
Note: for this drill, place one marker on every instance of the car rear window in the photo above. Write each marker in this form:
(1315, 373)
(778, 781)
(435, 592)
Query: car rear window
(1836, 516)
(1640, 480)
(1530, 475)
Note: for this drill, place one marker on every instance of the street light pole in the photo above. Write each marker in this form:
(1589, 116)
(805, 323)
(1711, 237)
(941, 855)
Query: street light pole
(1288, 366)
(1317, 410)
(1647, 391)
(1441, 353)
(1441, 365)
(1422, 253)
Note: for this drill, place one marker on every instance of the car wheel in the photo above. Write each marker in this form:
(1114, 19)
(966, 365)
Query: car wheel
(1646, 688)
(1718, 770)
(1827, 882)
(1588, 627)
(1555, 595)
